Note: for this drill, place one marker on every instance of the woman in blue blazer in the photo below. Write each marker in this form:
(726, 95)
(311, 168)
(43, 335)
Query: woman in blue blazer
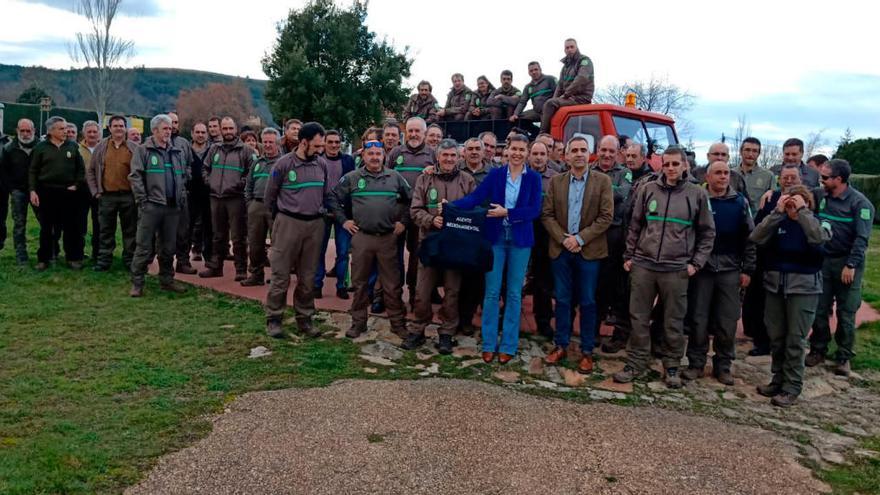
(514, 194)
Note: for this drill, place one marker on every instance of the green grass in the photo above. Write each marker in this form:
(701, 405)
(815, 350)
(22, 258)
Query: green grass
(863, 476)
(95, 386)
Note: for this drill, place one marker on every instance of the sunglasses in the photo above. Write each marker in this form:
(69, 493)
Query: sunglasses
(671, 164)
(826, 177)
(372, 144)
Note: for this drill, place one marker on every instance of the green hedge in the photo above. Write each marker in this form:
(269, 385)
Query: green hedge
(869, 185)
(16, 111)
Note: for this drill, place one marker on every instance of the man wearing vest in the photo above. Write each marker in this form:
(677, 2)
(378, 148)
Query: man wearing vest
(409, 160)
(447, 183)
(576, 84)
(670, 238)
(578, 209)
(226, 173)
(259, 218)
(158, 180)
(540, 270)
(792, 237)
(372, 203)
(296, 193)
(108, 181)
(849, 215)
(713, 296)
(611, 291)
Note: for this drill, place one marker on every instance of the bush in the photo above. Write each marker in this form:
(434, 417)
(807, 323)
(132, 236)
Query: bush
(869, 185)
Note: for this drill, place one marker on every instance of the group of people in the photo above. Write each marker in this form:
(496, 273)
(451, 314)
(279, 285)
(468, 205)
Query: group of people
(575, 86)
(668, 257)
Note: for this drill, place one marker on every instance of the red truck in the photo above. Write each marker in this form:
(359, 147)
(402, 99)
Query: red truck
(656, 131)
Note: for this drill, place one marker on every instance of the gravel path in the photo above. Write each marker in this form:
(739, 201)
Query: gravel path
(450, 436)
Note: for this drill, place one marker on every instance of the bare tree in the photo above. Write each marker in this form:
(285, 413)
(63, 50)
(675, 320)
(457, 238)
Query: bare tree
(771, 154)
(100, 51)
(814, 141)
(743, 130)
(654, 95)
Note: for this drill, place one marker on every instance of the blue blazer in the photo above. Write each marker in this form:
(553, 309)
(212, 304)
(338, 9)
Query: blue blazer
(520, 217)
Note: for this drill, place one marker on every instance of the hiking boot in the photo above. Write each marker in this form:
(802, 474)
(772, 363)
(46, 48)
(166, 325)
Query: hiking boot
(274, 329)
(75, 265)
(627, 375)
(377, 307)
(211, 273)
(239, 276)
(413, 341)
(769, 390)
(186, 269)
(342, 294)
(814, 359)
(305, 326)
(467, 329)
(672, 379)
(42, 266)
(613, 346)
(760, 350)
(725, 378)
(784, 400)
(445, 344)
(691, 374)
(354, 333)
(318, 293)
(136, 291)
(173, 287)
(253, 281)
(842, 368)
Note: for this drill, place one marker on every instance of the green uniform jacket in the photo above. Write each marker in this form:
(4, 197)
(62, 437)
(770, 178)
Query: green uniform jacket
(227, 168)
(147, 177)
(621, 184)
(849, 218)
(375, 201)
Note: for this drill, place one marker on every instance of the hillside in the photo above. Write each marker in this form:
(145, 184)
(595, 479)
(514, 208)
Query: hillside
(144, 91)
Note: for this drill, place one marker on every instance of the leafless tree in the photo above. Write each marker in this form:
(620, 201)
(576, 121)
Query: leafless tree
(100, 51)
(771, 154)
(653, 95)
(743, 130)
(814, 141)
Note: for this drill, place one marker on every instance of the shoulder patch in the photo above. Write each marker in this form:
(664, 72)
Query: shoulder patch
(628, 176)
(291, 176)
(154, 160)
(467, 97)
(362, 183)
(399, 160)
(257, 167)
(652, 206)
(865, 214)
(822, 204)
(432, 194)
(585, 61)
(69, 155)
(216, 157)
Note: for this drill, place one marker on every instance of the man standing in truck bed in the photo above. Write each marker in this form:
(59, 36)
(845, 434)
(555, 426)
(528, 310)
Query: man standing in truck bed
(576, 83)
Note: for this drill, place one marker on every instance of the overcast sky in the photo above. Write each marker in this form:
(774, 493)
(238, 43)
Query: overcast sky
(790, 67)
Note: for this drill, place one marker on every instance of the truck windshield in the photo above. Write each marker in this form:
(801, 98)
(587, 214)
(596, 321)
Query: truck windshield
(660, 137)
(630, 127)
(587, 125)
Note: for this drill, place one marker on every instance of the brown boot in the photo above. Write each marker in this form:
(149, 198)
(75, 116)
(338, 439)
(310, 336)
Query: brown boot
(185, 268)
(556, 355)
(136, 291)
(305, 326)
(253, 280)
(814, 359)
(211, 273)
(240, 276)
(274, 330)
(585, 367)
(842, 368)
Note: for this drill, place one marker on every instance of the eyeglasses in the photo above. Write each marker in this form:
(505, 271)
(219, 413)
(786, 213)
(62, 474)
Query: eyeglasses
(827, 177)
(372, 144)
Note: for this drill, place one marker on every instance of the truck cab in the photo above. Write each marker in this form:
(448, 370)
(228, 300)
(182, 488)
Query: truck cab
(656, 131)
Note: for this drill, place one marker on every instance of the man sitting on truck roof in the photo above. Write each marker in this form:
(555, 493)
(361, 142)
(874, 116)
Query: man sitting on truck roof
(539, 90)
(576, 83)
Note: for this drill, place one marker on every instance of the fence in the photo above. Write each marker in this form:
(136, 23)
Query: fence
(13, 112)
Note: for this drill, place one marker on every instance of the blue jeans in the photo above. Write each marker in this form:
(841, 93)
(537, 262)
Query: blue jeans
(514, 260)
(343, 245)
(573, 276)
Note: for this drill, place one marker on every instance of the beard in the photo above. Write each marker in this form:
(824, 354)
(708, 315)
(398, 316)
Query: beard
(26, 141)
